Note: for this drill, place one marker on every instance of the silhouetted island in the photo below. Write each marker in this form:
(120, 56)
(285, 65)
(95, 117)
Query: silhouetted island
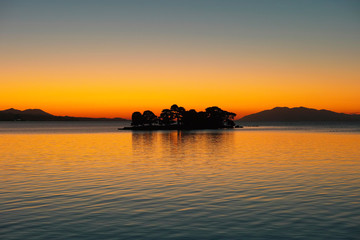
(298, 114)
(177, 118)
(39, 115)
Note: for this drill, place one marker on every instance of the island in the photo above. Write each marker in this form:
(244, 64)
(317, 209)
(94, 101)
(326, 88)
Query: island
(177, 118)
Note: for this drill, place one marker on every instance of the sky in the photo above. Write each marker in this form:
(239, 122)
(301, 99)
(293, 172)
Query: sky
(110, 58)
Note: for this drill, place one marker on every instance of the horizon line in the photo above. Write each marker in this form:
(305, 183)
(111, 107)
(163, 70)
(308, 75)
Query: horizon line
(124, 118)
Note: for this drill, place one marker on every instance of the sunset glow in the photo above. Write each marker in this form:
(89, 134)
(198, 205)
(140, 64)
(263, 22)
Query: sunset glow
(108, 59)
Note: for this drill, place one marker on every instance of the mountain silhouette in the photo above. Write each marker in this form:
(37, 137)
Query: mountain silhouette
(298, 114)
(40, 115)
(37, 112)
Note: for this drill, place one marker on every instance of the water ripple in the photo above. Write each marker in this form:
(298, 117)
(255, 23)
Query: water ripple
(171, 185)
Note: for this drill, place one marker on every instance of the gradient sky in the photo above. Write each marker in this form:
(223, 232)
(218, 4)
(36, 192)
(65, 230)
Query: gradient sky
(110, 58)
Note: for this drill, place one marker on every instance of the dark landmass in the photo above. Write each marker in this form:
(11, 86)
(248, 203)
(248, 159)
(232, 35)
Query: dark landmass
(298, 114)
(177, 118)
(173, 127)
(39, 115)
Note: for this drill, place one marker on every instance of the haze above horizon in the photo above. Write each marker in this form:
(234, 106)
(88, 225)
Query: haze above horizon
(111, 58)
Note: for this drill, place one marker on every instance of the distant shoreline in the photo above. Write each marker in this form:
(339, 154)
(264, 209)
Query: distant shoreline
(277, 114)
(40, 115)
(71, 120)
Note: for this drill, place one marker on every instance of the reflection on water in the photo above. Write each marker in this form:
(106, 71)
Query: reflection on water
(182, 145)
(180, 185)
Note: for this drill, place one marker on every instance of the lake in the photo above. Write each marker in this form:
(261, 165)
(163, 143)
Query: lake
(86, 180)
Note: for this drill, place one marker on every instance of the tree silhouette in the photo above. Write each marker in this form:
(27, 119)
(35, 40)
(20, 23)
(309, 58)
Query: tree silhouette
(149, 118)
(218, 117)
(178, 113)
(137, 119)
(190, 119)
(212, 118)
(166, 117)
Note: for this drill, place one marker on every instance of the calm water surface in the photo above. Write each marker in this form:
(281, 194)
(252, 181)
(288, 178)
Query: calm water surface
(89, 181)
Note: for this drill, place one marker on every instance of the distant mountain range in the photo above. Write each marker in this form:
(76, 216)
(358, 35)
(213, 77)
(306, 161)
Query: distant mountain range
(39, 115)
(298, 114)
(278, 114)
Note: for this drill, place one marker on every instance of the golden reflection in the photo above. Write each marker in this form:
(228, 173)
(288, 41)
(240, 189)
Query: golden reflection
(144, 143)
(182, 145)
(269, 156)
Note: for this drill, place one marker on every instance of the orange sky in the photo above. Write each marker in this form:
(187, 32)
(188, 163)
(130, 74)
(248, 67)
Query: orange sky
(110, 65)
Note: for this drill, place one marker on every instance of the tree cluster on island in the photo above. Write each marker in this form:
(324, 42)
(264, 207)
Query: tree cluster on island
(178, 118)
